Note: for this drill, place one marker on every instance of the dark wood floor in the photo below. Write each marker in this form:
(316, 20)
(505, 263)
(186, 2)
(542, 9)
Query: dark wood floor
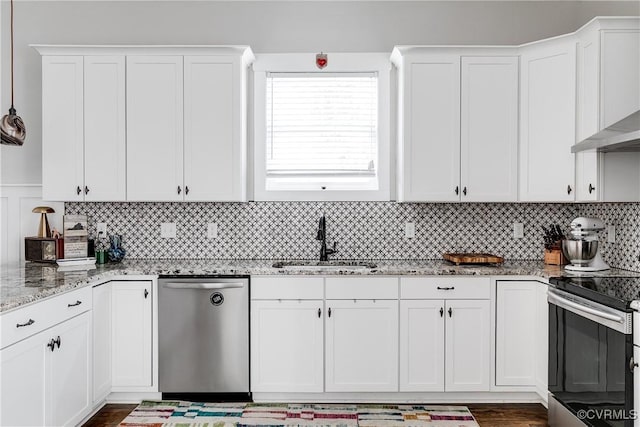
(487, 415)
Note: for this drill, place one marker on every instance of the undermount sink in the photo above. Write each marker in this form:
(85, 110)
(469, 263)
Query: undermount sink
(324, 265)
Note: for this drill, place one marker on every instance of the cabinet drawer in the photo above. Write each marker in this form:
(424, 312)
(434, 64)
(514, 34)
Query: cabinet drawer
(42, 315)
(445, 287)
(278, 287)
(362, 288)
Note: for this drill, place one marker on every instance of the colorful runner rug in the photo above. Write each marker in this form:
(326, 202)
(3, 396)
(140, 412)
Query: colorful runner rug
(192, 414)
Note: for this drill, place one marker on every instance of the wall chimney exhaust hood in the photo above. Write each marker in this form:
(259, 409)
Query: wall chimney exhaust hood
(620, 136)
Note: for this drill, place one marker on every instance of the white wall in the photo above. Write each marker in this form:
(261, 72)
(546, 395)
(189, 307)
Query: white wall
(267, 26)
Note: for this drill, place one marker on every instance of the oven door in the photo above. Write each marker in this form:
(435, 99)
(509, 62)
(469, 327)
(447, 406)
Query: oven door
(590, 360)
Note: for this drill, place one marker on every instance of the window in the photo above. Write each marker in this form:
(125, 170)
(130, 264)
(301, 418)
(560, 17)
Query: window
(321, 135)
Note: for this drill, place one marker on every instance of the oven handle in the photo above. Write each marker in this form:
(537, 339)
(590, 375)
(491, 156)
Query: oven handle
(203, 285)
(565, 303)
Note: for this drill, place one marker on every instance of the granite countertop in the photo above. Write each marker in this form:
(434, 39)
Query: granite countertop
(29, 282)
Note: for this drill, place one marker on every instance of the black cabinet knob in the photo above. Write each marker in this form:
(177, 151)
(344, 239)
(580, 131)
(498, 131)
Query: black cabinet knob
(569, 189)
(450, 311)
(591, 188)
(78, 190)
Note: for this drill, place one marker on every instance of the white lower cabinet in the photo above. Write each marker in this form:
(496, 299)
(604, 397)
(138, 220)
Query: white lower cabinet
(467, 345)
(101, 342)
(445, 342)
(131, 335)
(287, 346)
(22, 376)
(362, 345)
(422, 345)
(46, 378)
(521, 334)
(68, 372)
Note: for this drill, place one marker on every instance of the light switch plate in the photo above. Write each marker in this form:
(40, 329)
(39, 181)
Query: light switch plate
(212, 231)
(611, 234)
(518, 230)
(409, 230)
(168, 230)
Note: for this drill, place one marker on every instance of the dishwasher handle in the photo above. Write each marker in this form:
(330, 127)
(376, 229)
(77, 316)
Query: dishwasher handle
(203, 285)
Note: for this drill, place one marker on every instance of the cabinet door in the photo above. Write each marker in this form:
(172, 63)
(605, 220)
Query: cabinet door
(422, 345)
(516, 315)
(101, 342)
(131, 334)
(548, 121)
(468, 335)
(62, 128)
(104, 128)
(588, 75)
(620, 67)
(68, 372)
(22, 383)
(154, 128)
(588, 170)
(361, 345)
(542, 340)
(489, 129)
(287, 346)
(214, 147)
(429, 153)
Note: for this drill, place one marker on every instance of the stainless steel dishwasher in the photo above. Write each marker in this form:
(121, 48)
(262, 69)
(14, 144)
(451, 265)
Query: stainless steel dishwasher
(203, 344)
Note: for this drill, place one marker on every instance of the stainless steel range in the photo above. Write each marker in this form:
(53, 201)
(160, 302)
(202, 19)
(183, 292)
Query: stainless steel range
(203, 328)
(591, 364)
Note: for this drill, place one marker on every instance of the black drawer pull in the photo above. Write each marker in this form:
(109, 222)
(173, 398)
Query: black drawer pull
(74, 304)
(446, 288)
(57, 341)
(146, 294)
(450, 311)
(329, 312)
(29, 323)
(52, 344)
(319, 313)
(441, 311)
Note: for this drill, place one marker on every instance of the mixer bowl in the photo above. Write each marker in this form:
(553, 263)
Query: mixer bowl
(580, 252)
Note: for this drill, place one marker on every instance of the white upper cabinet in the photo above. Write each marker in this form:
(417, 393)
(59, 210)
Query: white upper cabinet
(154, 128)
(608, 91)
(83, 134)
(214, 128)
(62, 128)
(144, 123)
(104, 128)
(458, 125)
(489, 129)
(428, 126)
(547, 120)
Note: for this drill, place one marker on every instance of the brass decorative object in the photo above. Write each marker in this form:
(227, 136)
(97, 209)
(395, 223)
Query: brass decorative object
(12, 129)
(43, 229)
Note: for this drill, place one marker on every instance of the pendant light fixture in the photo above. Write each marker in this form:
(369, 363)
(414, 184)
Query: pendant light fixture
(12, 130)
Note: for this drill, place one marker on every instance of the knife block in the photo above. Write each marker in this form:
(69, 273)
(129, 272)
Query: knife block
(554, 256)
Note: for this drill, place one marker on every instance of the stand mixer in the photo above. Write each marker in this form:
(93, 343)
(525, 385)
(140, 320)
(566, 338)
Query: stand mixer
(582, 249)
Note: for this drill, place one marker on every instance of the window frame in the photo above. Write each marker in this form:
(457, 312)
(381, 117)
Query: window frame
(378, 63)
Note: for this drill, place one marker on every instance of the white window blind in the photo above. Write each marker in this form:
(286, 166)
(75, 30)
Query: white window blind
(321, 124)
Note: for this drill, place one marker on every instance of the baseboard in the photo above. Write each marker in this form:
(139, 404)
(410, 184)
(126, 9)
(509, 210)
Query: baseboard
(121, 397)
(435, 398)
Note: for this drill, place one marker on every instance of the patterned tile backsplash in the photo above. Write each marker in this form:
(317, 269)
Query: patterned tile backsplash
(362, 230)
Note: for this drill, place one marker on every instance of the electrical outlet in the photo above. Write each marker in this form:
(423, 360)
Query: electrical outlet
(518, 230)
(168, 230)
(409, 230)
(212, 231)
(101, 229)
(611, 234)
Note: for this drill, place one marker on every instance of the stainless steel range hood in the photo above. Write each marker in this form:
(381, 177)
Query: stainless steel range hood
(620, 136)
